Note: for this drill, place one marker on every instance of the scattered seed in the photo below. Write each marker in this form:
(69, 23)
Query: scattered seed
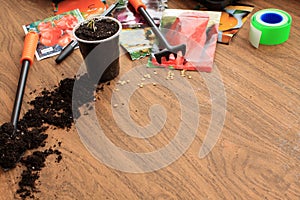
(182, 73)
(155, 72)
(154, 84)
(143, 79)
(147, 76)
(189, 77)
(128, 81)
(170, 75)
(115, 105)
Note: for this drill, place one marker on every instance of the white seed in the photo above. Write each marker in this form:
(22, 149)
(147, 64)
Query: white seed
(115, 105)
(128, 81)
(143, 79)
(189, 77)
(154, 84)
(117, 89)
(170, 73)
(182, 73)
(155, 72)
(141, 85)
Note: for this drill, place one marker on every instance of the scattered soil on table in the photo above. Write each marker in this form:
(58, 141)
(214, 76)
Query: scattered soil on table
(33, 163)
(97, 29)
(51, 109)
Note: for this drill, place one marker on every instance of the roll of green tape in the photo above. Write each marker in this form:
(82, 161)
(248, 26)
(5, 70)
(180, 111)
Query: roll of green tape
(269, 27)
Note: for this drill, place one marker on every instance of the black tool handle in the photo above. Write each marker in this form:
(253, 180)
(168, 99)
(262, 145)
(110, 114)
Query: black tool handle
(66, 51)
(20, 93)
(30, 44)
(154, 27)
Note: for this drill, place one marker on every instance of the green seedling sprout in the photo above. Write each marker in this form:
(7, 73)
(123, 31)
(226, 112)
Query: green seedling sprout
(91, 25)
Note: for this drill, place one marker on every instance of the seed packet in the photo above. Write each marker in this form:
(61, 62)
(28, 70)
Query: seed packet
(232, 19)
(86, 7)
(54, 32)
(141, 45)
(198, 30)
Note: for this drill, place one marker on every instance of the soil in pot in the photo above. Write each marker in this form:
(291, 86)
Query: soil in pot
(97, 29)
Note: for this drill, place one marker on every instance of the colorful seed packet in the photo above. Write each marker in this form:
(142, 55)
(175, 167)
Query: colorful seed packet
(232, 19)
(54, 32)
(141, 45)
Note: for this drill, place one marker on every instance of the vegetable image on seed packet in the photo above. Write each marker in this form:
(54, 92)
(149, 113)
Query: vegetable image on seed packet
(54, 32)
(198, 30)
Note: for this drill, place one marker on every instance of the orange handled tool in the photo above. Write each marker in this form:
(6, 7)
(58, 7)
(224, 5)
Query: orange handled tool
(30, 43)
(136, 4)
(140, 8)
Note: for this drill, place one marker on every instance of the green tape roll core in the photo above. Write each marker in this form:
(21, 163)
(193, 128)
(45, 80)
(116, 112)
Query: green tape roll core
(272, 35)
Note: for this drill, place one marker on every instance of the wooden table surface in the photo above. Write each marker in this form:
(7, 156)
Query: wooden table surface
(256, 155)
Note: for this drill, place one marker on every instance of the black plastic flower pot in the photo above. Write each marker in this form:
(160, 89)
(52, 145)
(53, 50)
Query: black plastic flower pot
(98, 40)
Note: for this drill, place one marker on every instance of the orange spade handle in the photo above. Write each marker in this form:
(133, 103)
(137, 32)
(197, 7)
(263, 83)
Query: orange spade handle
(30, 43)
(137, 4)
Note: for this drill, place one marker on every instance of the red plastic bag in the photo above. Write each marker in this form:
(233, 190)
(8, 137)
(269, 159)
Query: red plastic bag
(198, 30)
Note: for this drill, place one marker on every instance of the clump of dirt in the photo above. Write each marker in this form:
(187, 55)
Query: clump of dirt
(52, 108)
(34, 164)
(97, 29)
(13, 144)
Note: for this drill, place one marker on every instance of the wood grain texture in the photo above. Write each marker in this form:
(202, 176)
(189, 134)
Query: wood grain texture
(256, 157)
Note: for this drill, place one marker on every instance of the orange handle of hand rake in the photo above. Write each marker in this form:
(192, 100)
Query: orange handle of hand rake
(30, 43)
(137, 4)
